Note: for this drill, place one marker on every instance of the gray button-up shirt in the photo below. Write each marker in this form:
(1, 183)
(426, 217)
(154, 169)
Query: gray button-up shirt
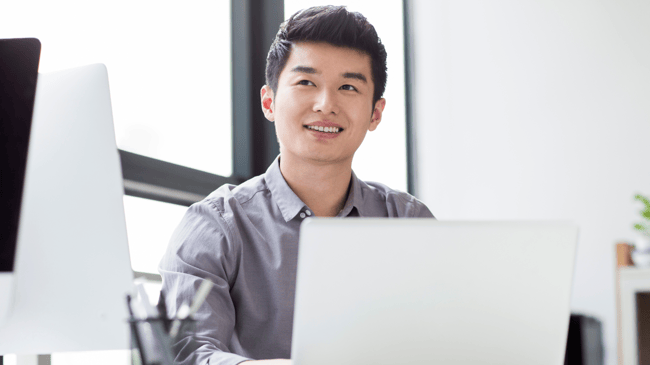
(245, 239)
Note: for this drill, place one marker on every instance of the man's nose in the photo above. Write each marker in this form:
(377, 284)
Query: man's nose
(326, 102)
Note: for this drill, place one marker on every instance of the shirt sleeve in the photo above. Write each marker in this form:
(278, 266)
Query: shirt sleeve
(200, 249)
(408, 206)
(422, 211)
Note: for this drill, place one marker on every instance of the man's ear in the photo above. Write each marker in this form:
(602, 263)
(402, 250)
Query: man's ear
(377, 112)
(266, 98)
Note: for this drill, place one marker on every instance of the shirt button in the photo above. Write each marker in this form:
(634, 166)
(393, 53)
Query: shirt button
(308, 213)
(302, 215)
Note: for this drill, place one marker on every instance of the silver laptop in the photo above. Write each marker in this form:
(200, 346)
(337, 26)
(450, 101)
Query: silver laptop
(399, 291)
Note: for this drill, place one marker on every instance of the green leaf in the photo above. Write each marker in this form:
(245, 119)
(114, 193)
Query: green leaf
(640, 227)
(643, 199)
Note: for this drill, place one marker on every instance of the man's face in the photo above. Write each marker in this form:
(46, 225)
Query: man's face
(323, 87)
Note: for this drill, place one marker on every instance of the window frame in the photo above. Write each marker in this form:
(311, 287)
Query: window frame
(411, 127)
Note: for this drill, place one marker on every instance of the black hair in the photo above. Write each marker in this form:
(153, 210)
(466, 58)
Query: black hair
(334, 25)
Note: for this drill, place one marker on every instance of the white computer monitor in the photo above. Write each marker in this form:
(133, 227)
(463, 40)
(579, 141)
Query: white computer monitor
(72, 269)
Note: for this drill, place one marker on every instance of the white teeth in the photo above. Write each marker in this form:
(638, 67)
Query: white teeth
(324, 129)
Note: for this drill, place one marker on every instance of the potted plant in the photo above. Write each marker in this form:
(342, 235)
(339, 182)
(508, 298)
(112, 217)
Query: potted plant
(641, 253)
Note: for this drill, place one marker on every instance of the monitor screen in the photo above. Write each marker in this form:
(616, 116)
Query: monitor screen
(18, 73)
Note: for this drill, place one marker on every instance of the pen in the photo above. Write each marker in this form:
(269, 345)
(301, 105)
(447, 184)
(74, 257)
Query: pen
(146, 304)
(200, 296)
(184, 311)
(134, 331)
(162, 311)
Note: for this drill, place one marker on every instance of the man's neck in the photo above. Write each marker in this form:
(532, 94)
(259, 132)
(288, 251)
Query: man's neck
(322, 186)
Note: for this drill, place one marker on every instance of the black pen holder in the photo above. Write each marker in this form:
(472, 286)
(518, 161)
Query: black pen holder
(151, 341)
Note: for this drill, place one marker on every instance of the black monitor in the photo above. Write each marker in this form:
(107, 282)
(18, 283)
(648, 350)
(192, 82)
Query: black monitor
(18, 73)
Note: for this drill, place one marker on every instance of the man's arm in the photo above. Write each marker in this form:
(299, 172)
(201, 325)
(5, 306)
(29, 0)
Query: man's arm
(201, 248)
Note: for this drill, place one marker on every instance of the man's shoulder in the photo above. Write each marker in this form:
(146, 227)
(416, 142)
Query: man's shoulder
(398, 203)
(229, 196)
(384, 192)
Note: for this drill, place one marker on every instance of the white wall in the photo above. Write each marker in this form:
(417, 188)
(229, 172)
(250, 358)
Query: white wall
(538, 110)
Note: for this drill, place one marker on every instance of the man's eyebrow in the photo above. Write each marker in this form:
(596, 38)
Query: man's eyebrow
(355, 75)
(304, 69)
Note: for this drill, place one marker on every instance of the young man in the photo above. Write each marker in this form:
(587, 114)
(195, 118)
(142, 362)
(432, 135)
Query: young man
(326, 73)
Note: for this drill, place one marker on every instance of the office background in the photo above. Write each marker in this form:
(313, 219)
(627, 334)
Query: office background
(538, 110)
(512, 110)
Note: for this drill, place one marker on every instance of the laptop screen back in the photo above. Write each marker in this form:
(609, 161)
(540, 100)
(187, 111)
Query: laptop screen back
(400, 291)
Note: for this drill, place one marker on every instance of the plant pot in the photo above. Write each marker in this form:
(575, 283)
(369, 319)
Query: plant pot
(642, 243)
(641, 252)
(641, 259)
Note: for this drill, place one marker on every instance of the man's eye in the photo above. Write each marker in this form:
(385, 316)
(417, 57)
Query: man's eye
(305, 82)
(348, 87)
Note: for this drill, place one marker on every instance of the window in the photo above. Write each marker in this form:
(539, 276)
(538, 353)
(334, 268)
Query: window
(149, 225)
(168, 68)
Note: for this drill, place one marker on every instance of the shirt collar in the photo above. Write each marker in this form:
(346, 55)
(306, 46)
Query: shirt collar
(354, 204)
(288, 202)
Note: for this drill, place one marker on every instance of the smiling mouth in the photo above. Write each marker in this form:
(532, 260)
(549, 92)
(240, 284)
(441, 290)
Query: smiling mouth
(324, 129)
